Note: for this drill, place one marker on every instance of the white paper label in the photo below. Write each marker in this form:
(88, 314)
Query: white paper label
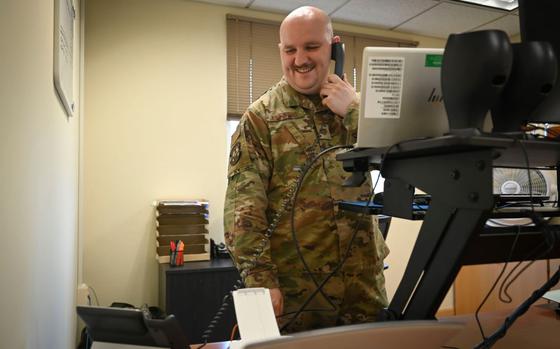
(384, 87)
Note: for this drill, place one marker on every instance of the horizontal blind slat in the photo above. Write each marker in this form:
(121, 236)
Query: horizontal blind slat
(267, 69)
(238, 56)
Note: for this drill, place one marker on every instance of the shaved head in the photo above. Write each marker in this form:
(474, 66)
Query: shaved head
(309, 13)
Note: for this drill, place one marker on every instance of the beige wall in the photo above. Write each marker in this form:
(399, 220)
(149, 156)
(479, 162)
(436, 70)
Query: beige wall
(155, 127)
(38, 187)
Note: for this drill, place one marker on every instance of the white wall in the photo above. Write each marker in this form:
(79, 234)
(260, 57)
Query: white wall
(38, 186)
(155, 127)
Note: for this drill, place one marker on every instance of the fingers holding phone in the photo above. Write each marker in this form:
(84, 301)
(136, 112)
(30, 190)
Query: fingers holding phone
(338, 94)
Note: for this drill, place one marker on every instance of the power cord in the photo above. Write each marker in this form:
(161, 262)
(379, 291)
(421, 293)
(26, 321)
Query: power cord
(522, 309)
(550, 239)
(476, 314)
(539, 222)
(503, 293)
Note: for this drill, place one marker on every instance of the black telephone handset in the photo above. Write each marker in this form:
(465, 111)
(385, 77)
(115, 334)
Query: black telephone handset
(337, 55)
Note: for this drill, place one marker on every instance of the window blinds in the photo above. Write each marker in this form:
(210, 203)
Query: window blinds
(253, 59)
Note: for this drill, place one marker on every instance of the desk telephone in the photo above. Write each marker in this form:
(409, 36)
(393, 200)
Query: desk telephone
(337, 55)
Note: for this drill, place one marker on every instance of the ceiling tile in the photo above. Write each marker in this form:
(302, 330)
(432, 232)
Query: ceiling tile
(286, 6)
(233, 3)
(446, 19)
(381, 13)
(502, 5)
(509, 24)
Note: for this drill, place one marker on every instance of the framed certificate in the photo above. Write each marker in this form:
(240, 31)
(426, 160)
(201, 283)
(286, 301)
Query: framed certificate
(64, 15)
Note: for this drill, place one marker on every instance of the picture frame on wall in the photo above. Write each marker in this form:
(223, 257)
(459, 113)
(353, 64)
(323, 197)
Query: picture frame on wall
(63, 72)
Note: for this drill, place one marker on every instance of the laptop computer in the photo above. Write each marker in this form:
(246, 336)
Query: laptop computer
(401, 96)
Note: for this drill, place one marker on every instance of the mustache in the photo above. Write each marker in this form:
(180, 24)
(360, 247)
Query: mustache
(303, 66)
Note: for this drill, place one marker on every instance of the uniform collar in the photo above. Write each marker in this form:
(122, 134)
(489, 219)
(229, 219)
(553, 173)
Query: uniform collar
(293, 98)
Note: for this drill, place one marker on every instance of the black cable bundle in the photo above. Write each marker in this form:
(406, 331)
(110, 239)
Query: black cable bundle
(354, 232)
(520, 310)
(550, 239)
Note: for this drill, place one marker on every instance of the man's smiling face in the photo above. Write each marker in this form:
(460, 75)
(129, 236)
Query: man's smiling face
(305, 52)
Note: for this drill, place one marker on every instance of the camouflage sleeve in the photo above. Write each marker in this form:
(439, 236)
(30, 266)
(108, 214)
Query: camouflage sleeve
(245, 220)
(350, 121)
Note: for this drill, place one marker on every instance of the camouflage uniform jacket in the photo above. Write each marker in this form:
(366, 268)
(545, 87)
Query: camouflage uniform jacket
(277, 134)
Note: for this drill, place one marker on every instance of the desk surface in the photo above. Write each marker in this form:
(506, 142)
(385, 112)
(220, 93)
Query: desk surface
(538, 329)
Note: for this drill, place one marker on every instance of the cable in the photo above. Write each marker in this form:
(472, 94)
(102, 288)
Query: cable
(225, 303)
(354, 233)
(304, 172)
(520, 310)
(550, 239)
(233, 333)
(538, 222)
(94, 295)
(504, 288)
(503, 292)
(476, 314)
(552, 132)
(325, 280)
(88, 338)
(306, 310)
(528, 167)
(341, 263)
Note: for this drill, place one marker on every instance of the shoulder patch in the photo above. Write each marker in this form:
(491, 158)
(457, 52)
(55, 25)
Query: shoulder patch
(235, 154)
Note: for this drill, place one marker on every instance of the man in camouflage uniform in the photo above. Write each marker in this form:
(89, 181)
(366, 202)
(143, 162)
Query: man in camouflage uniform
(305, 113)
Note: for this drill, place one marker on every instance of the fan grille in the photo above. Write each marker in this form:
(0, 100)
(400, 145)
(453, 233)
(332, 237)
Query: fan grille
(514, 181)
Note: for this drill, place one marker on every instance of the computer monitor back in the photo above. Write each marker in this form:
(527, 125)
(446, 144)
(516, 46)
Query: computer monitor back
(401, 96)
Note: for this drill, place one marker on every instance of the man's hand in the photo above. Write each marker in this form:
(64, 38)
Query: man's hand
(277, 301)
(338, 94)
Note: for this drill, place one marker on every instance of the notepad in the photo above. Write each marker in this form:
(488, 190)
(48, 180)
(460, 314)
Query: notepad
(255, 315)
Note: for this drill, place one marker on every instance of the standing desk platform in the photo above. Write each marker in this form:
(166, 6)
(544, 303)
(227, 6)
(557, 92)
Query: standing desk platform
(457, 172)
